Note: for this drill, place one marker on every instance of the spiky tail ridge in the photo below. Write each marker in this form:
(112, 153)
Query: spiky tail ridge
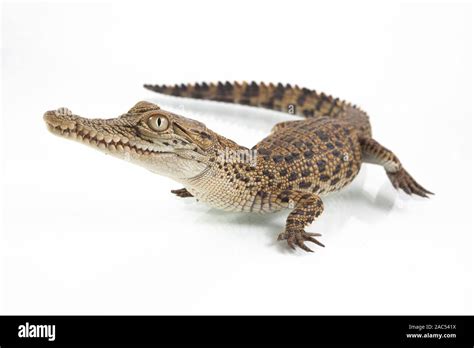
(285, 98)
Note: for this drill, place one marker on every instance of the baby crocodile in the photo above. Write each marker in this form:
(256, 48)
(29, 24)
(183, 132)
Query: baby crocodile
(292, 168)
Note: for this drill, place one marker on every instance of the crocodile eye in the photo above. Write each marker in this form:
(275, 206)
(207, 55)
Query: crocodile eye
(158, 123)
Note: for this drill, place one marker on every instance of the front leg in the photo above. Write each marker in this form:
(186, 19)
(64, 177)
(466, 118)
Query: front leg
(182, 193)
(307, 207)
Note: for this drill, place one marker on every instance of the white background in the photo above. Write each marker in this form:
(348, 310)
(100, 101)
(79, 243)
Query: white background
(84, 233)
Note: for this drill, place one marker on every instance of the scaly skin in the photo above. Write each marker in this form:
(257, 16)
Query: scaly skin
(292, 168)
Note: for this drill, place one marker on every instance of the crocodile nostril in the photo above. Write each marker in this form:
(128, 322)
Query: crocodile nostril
(63, 111)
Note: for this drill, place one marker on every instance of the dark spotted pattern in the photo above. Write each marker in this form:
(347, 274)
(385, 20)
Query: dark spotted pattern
(308, 168)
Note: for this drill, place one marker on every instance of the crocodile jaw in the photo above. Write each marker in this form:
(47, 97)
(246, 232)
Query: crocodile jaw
(99, 135)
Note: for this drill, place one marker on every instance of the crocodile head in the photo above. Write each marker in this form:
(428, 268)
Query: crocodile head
(163, 142)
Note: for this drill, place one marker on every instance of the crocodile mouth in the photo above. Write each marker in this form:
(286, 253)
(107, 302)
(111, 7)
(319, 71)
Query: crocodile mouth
(104, 141)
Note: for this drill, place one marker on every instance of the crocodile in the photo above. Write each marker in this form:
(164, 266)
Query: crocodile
(292, 168)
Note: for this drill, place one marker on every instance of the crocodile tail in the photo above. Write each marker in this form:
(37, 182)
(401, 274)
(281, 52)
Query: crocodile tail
(285, 98)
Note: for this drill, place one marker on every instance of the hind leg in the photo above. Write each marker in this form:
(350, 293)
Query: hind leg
(373, 152)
